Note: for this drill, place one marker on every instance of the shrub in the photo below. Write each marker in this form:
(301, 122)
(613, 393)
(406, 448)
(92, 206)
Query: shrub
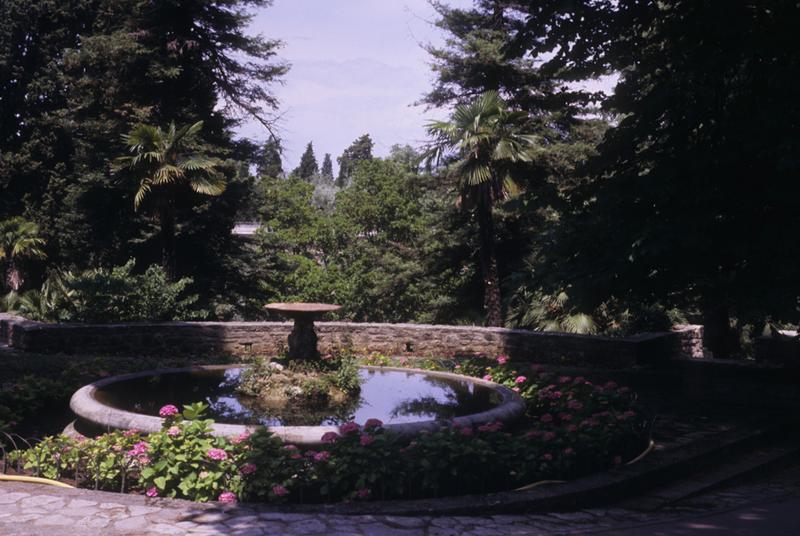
(117, 295)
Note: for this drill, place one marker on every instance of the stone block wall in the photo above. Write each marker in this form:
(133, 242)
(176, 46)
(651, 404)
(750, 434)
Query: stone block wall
(412, 340)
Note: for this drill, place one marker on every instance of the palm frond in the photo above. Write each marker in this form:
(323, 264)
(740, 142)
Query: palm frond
(213, 185)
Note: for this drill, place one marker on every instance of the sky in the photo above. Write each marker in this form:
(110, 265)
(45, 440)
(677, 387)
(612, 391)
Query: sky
(357, 67)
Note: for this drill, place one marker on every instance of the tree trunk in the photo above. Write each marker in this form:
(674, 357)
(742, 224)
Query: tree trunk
(718, 336)
(166, 218)
(488, 259)
(14, 279)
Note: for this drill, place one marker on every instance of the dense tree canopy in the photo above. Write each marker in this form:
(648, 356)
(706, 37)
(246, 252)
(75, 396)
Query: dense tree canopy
(666, 198)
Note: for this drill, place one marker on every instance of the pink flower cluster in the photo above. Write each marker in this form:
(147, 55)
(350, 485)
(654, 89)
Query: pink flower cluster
(329, 437)
(168, 411)
(373, 423)
(491, 427)
(366, 439)
(227, 497)
(241, 438)
(139, 449)
(173, 431)
(151, 492)
(217, 454)
(502, 359)
(248, 469)
(348, 427)
(322, 456)
(279, 491)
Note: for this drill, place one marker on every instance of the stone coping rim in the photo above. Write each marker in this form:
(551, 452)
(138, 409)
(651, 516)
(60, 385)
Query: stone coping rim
(84, 404)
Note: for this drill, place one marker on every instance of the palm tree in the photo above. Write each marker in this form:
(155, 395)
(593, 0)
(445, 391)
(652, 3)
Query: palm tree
(487, 144)
(164, 166)
(19, 239)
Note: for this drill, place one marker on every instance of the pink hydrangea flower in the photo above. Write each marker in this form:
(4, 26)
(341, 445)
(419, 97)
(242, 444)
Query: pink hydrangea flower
(217, 454)
(373, 423)
(546, 418)
(566, 417)
(173, 431)
(549, 436)
(466, 431)
(138, 449)
(363, 493)
(569, 451)
(168, 411)
(515, 389)
(564, 379)
(366, 439)
(490, 427)
(488, 377)
(547, 457)
(574, 404)
(348, 427)
(279, 491)
(248, 469)
(329, 437)
(143, 460)
(130, 433)
(152, 492)
(290, 447)
(502, 359)
(610, 385)
(227, 497)
(322, 456)
(520, 379)
(241, 438)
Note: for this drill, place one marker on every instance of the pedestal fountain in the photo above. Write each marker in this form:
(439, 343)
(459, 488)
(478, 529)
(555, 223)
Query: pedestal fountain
(303, 338)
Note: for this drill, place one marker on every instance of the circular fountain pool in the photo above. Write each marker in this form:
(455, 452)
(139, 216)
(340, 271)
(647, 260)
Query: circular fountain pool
(406, 400)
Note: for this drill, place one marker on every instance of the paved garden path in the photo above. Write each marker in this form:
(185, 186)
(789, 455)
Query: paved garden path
(763, 508)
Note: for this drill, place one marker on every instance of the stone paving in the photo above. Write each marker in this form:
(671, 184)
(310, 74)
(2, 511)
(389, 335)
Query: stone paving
(35, 510)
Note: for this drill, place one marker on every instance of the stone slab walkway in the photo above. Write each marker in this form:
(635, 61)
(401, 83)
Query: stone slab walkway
(35, 510)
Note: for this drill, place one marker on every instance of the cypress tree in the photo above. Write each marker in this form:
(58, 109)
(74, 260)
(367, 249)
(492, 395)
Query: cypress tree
(327, 167)
(308, 164)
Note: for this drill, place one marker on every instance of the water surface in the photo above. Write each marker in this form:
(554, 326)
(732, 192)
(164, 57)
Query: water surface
(388, 395)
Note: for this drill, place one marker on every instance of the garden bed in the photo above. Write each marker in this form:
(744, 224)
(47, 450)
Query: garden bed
(572, 428)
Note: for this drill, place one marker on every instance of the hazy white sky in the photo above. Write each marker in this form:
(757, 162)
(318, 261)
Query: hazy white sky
(357, 68)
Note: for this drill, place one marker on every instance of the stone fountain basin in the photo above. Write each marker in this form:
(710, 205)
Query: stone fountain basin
(92, 411)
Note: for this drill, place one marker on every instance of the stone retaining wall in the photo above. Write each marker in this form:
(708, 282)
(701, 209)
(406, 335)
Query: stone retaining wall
(413, 340)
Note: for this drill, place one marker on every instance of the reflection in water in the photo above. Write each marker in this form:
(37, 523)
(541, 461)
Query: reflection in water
(391, 396)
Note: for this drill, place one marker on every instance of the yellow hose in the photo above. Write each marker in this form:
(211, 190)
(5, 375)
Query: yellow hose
(33, 480)
(650, 446)
(540, 483)
(647, 451)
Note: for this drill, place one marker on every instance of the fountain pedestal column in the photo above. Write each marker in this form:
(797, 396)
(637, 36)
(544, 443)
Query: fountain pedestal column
(303, 338)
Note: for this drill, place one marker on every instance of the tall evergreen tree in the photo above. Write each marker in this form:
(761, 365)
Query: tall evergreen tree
(327, 167)
(360, 150)
(697, 183)
(308, 166)
(268, 159)
(101, 67)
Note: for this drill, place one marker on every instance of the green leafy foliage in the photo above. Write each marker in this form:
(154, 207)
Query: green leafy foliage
(119, 295)
(103, 296)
